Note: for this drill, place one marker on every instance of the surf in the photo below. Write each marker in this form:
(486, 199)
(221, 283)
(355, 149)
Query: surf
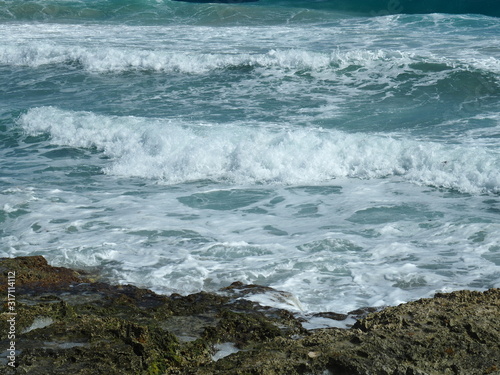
(175, 152)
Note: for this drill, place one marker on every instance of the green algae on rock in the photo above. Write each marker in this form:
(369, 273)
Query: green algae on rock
(68, 323)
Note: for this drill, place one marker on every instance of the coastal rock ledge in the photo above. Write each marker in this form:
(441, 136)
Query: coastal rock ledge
(69, 322)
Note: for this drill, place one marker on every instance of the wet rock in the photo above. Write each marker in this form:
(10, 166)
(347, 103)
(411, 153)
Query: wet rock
(331, 315)
(34, 271)
(69, 323)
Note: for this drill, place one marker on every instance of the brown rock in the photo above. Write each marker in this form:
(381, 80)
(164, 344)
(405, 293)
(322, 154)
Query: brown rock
(67, 324)
(34, 272)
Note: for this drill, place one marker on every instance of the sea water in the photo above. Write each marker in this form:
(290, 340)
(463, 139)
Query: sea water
(344, 152)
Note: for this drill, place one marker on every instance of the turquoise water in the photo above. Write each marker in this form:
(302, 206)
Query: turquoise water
(346, 152)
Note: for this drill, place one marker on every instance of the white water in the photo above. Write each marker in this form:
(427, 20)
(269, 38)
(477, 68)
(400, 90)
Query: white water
(352, 164)
(173, 152)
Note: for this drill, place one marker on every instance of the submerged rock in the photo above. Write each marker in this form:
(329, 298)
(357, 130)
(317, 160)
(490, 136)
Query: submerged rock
(68, 323)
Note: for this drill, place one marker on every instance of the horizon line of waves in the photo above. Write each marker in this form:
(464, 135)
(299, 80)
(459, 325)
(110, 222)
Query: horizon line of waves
(173, 152)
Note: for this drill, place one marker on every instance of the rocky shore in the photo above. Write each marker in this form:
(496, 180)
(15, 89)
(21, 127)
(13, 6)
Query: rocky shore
(60, 321)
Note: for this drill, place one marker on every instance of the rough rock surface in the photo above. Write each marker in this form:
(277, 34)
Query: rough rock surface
(68, 323)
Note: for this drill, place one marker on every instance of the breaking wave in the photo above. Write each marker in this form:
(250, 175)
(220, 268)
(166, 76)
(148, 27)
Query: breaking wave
(173, 152)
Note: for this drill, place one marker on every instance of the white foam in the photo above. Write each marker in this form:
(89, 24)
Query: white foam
(223, 350)
(173, 152)
(39, 322)
(119, 59)
(278, 299)
(328, 261)
(328, 246)
(317, 322)
(195, 49)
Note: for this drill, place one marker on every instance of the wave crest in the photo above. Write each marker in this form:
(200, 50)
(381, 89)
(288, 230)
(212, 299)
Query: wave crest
(253, 153)
(118, 60)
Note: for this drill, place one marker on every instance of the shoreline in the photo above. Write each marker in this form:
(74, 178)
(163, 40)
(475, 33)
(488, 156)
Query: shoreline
(58, 321)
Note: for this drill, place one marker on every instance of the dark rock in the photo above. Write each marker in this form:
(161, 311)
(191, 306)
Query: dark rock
(34, 271)
(67, 323)
(331, 315)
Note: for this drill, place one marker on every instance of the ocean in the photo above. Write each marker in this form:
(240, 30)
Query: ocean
(347, 152)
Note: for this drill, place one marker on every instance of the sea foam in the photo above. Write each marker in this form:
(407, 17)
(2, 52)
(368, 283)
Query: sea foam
(117, 57)
(172, 152)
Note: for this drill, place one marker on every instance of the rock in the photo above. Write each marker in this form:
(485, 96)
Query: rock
(34, 271)
(68, 323)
